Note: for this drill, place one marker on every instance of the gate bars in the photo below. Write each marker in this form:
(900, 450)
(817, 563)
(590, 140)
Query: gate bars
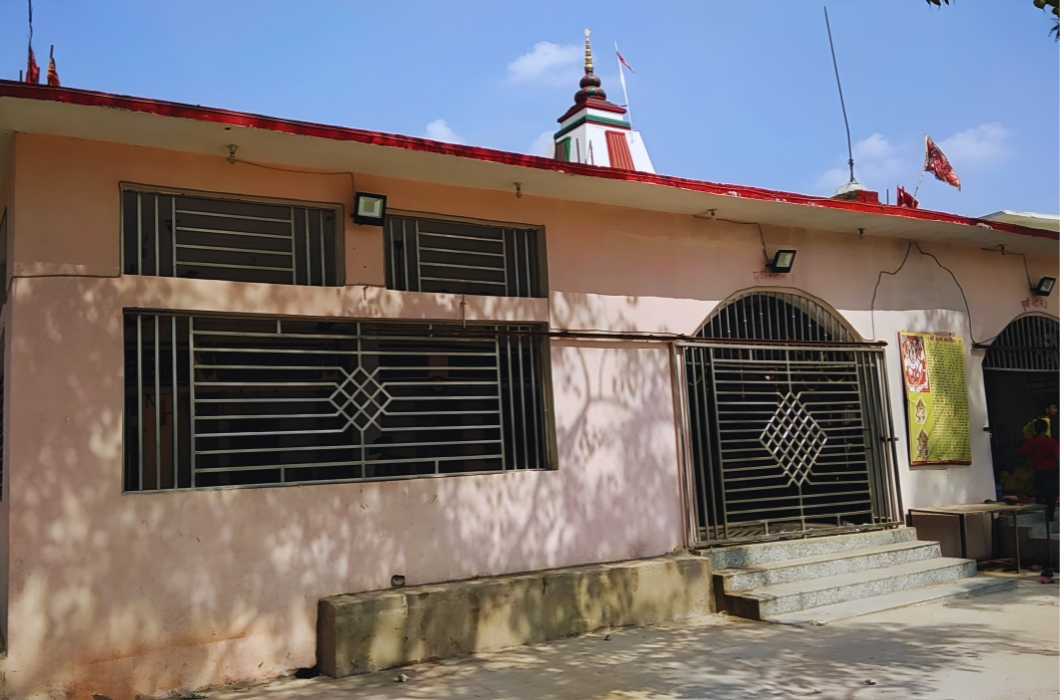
(784, 440)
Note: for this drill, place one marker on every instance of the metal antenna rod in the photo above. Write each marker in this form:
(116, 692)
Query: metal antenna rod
(850, 148)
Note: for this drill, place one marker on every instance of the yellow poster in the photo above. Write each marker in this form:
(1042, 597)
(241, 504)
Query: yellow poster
(936, 398)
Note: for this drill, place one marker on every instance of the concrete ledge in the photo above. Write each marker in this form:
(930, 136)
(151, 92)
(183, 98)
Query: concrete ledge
(369, 631)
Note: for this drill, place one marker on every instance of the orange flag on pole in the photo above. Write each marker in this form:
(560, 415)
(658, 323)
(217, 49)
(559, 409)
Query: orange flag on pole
(53, 74)
(936, 163)
(32, 69)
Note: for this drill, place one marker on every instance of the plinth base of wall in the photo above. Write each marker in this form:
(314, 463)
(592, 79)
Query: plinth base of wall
(369, 631)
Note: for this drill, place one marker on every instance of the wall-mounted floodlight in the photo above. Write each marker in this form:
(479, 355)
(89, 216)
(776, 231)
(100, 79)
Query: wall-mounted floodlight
(783, 261)
(1045, 287)
(369, 209)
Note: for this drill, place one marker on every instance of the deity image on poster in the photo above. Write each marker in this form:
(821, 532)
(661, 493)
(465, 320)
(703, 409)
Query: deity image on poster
(923, 447)
(914, 359)
(921, 411)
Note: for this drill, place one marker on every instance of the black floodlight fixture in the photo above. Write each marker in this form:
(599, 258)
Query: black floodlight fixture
(369, 209)
(783, 261)
(1045, 287)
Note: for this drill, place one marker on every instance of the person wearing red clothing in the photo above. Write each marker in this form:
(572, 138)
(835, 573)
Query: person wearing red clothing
(1044, 452)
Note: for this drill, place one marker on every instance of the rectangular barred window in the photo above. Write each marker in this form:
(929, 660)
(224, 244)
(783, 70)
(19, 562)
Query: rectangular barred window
(213, 401)
(424, 255)
(167, 234)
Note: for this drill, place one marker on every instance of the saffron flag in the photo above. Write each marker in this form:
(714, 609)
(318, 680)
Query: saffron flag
(32, 69)
(53, 74)
(905, 199)
(936, 163)
(623, 62)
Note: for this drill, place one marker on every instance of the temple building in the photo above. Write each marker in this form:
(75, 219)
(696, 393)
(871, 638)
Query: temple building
(281, 395)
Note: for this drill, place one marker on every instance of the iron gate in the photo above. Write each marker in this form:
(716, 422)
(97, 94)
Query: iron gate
(786, 439)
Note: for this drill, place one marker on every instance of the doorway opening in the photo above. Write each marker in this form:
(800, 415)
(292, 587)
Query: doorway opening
(1020, 374)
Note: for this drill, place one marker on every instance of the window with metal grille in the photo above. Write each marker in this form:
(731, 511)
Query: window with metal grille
(214, 401)
(425, 255)
(167, 234)
(1030, 343)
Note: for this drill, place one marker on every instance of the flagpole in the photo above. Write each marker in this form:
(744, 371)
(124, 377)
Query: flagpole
(917, 189)
(622, 79)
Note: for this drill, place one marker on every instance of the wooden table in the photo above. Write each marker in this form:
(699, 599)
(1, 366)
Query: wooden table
(960, 511)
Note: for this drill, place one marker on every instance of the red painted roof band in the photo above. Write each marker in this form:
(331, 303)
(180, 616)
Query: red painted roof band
(91, 98)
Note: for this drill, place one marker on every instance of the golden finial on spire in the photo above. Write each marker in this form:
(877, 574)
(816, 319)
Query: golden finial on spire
(588, 54)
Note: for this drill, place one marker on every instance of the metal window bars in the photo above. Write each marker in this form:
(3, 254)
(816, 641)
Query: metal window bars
(177, 235)
(285, 401)
(461, 258)
(1030, 343)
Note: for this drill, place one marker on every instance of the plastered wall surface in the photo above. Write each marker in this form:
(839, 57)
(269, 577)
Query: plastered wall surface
(125, 594)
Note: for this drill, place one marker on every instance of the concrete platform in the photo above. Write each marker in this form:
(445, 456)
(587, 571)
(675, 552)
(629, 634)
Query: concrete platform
(375, 630)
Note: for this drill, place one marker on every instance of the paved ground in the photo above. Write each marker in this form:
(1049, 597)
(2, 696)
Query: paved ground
(1002, 646)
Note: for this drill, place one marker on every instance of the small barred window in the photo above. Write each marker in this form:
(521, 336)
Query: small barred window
(425, 255)
(177, 235)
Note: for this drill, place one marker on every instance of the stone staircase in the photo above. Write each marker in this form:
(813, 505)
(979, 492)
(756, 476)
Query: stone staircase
(819, 580)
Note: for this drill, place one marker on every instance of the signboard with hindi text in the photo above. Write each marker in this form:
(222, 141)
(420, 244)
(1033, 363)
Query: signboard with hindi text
(936, 398)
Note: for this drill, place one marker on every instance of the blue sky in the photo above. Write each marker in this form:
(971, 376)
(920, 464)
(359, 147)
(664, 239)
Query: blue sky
(739, 92)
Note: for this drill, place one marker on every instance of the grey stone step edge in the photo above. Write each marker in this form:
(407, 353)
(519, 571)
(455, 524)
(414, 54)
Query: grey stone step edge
(964, 588)
(790, 597)
(824, 565)
(735, 556)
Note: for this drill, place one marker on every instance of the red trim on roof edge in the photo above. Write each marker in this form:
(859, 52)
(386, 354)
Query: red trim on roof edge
(90, 98)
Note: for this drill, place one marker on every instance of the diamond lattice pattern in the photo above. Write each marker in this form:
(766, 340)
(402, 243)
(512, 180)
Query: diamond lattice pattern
(794, 439)
(360, 398)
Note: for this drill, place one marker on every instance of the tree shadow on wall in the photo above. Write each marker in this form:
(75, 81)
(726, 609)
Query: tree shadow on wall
(123, 594)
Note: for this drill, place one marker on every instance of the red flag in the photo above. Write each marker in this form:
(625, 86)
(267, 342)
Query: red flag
(32, 69)
(53, 74)
(936, 162)
(905, 199)
(623, 62)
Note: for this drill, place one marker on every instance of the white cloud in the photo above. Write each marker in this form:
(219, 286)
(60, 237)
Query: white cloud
(878, 164)
(440, 131)
(548, 64)
(981, 145)
(542, 145)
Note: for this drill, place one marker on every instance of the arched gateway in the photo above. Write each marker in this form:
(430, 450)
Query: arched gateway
(788, 425)
(1020, 373)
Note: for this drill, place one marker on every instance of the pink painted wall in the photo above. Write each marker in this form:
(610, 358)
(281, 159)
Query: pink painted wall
(143, 593)
(7, 190)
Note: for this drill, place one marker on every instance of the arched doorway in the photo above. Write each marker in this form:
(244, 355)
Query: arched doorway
(788, 425)
(1020, 373)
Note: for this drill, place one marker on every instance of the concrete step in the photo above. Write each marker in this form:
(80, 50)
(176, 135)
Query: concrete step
(825, 565)
(767, 602)
(738, 556)
(964, 588)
